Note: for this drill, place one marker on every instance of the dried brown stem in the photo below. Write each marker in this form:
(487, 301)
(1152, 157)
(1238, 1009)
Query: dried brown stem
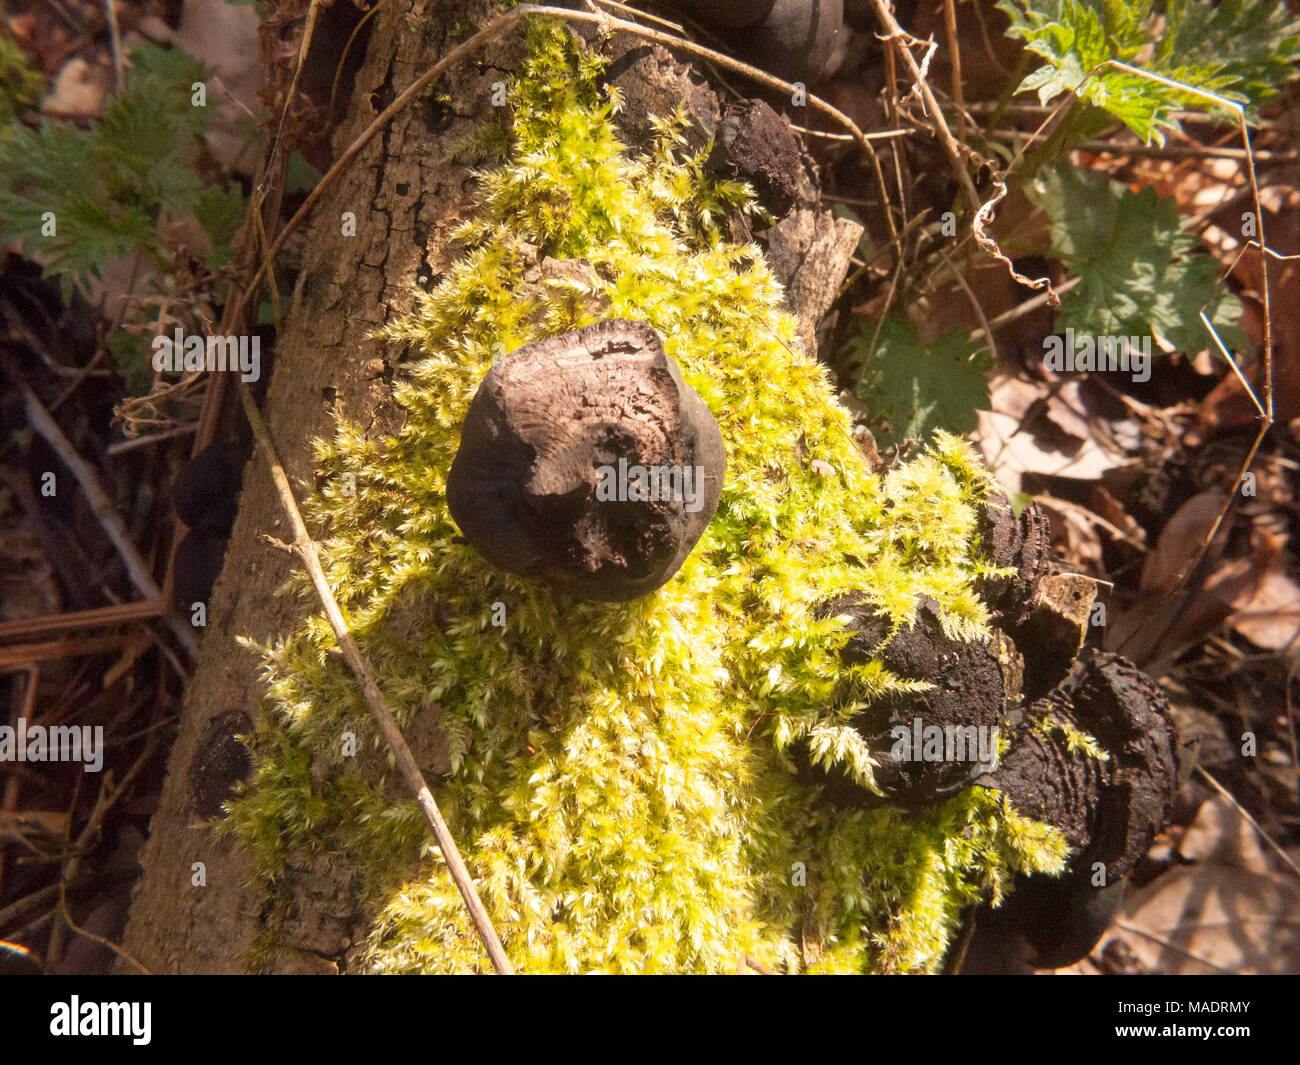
(100, 504)
(305, 550)
(958, 95)
(893, 31)
(140, 610)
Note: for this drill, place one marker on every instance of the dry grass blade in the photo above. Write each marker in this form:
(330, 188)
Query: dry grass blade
(1286, 858)
(82, 619)
(305, 550)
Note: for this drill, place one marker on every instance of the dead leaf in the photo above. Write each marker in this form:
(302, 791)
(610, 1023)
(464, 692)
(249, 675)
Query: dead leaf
(33, 824)
(1211, 918)
(1205, 730)
(1271, 618)
(1220, 834)
(1018, 437)
(225, 37)
(1180, 540)
(79, 90)
(1122, 525)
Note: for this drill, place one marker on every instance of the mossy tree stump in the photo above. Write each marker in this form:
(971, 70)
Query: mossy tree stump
(639, 786)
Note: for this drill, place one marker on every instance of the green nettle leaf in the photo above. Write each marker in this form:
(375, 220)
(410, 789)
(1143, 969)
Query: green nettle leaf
(913, 389)
(1252, 44)
(1139, 271)
(1238, 49)
(132, 354)
(300, 175)
(135, 175)
(220, 211)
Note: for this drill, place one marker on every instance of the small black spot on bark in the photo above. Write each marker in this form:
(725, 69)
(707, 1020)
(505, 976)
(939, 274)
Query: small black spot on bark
(220, 763)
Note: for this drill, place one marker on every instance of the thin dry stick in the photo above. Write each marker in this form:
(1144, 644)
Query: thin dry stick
(1286, 858)
(101, 505)
(632, 12)
(68, 867)
(888, 134)
(115, 43)
(119, 446)
(893, 31)
(125, 955)
(17, 910)
(1028, 307)
(274, 169)
(958, 95)
(9, 800)
(1290, 720)
(347, 47)
(26, 654)
(305, 550)
(1183, 151)
(140, 610)
(983, 216)
(986, 328)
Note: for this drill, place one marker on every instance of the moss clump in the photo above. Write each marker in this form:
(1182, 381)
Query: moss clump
(629, 781)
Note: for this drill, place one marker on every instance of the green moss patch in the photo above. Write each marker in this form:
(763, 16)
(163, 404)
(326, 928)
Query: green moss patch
(630, 783)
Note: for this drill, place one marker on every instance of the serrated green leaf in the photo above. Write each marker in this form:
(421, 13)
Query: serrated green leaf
(220, 211)
(1238, 49)
(300, 175)
(912, 389)
(1139, 271)
(134, 174)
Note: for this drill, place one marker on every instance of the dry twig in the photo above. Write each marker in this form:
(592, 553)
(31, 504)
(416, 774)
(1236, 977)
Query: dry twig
(305, 550)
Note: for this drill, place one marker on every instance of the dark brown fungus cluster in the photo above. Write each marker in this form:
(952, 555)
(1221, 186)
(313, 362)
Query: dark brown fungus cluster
(1030, 683)
(754, 144)
(1022, 542)
(1109, 811)
(206, 497)
(220, 763)
(586, 461)
(972, 686)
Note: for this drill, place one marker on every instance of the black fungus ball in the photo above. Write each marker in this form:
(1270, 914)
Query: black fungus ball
(586, 461)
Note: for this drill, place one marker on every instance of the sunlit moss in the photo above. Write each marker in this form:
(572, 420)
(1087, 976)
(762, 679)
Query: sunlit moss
(630, 782)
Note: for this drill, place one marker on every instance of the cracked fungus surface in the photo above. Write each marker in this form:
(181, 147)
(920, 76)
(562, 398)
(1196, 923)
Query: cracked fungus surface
(632, 784)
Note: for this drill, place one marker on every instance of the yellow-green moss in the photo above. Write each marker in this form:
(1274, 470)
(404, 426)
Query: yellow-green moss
(626, 779)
